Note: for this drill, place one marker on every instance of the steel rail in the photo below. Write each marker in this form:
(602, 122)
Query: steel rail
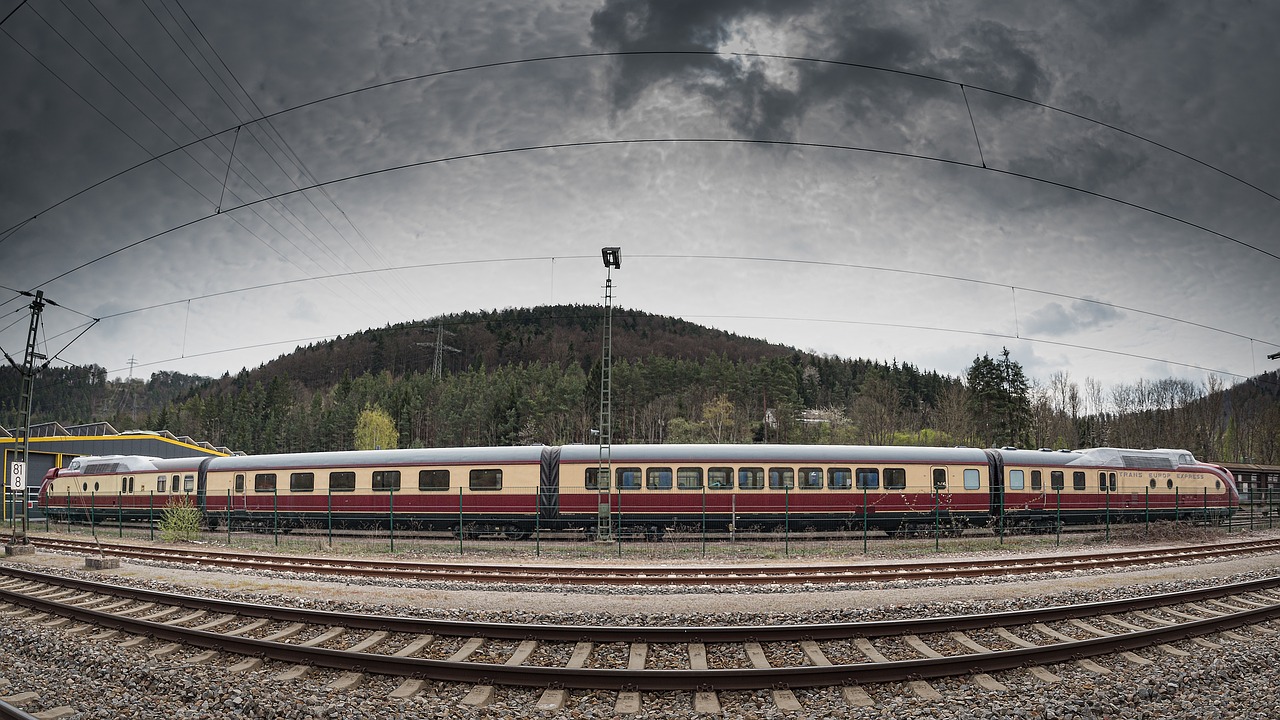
(717, 679)
(552, 574)
(652, 634)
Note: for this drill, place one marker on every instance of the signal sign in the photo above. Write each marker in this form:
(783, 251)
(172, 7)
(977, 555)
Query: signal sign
(17, 475)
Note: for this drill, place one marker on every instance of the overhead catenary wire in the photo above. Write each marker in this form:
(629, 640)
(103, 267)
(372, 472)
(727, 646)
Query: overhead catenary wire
(628, 53)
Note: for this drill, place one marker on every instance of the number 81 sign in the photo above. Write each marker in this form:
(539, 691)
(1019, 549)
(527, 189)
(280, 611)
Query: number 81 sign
(17, 475)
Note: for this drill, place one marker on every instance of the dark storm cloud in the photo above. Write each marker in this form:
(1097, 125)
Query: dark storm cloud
(1054, 320)
(983, 52)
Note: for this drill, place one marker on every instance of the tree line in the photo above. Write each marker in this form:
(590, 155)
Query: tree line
(533, 376)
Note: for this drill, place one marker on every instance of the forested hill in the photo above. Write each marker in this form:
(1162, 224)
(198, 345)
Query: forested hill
(557, 335)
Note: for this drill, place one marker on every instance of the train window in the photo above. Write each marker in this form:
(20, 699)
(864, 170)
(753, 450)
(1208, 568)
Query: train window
(130, 483)
(1037, 483)
(895, 478)
(386, 480)
(1017, 480)
(628, 478)
(1170, 483)
(868, 478)
(1057, 480)
(173, 484)
(1217, 484)
(1112, 482)
(751, 478)
(430, 480)
(782, 478)
(1078, 481)
(160, 483)
(95, 485)
(486, 479)
(344, 481)
(810, 478)
(593, 479)
(939, 478)
(188, 483)
(1102, 482)
(839, 478)
(689, 478)
(1153, 483)
(264, 482)
(239, 483)
(720, 478)
(972, 479)
(84, 487)
(658, 478)
(302, 482)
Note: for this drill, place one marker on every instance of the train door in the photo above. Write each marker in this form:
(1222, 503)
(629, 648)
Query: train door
(995, 470)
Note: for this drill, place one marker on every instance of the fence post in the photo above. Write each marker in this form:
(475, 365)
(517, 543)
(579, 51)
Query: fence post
(228, 516)
(936, 523)
(864, 519)
(120, 512)
(69, 510)
(459, 519)
(391, 519)
(275, 512)
(329, 514)
(1147, 503)
(786, 523)
(537, 528)
(1177, 505)
(704, 518)
(1058, 540)
(1108, 494)
(1204, 507)
(93, 525)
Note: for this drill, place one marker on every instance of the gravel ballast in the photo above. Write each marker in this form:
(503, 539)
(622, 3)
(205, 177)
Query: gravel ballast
(99, 679)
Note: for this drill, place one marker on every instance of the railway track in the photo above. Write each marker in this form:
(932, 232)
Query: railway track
(702, 660)
(663, 575)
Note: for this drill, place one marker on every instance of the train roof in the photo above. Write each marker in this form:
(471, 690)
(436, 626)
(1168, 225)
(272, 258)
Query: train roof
(763, 454)
(371, 458)
(1158, 459)
(108, 464)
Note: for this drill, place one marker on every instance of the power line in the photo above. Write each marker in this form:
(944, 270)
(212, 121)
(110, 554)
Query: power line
(613, 54)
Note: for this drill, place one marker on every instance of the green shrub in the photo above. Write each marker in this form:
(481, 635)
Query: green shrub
(181, 520)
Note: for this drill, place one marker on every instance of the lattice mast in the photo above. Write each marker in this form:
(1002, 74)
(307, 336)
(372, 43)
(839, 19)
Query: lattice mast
(612, 257)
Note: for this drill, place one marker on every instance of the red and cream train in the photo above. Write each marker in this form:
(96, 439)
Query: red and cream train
(516, 490)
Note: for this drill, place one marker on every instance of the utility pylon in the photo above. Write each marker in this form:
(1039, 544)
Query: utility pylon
(604, 471)
(29, 372)
(437, 367)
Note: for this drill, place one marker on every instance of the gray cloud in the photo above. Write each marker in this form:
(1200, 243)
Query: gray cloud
(1054, 320)
(861, 33)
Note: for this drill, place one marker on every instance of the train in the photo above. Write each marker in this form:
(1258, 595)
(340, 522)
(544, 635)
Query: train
(652, 489)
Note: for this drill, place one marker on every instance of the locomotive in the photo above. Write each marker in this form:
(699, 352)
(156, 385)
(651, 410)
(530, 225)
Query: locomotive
(653, 488)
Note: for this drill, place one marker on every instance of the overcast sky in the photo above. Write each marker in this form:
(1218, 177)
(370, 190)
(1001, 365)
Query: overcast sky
(883, 191)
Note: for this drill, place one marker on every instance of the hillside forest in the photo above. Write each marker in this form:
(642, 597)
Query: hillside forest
(522, 376)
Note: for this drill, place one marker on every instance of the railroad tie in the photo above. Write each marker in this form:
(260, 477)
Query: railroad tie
(705, 702)
(253, 663)
(553, 699)
(629, 700)
(982, 680)
(298, 671)
(1040, 673)
(853, 695)
(412, 686)
(56, 622)
(1132, 657)
(57, 713)
(349, 680)
(216, 622)
(161, 614)
(922, 689)
(1085, 663)
(782, 697)
(482, 695)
